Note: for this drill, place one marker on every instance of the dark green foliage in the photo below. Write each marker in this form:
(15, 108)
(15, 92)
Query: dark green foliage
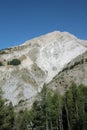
(54, 112)
(1, 110)
(47, 111)
(8, 121)
(1, 64)
(50, 112)
(76, 101)
(2, 52)
(38, 116)
(21, 101)
(85, 60)
(23, 120)
(6, 115)
(14, 62)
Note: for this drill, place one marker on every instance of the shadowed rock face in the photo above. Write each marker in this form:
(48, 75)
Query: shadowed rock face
(42, 60)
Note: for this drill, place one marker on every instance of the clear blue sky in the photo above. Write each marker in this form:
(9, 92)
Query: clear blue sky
(21, 20)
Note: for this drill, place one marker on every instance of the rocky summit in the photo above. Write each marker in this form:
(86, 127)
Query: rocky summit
(57, 59)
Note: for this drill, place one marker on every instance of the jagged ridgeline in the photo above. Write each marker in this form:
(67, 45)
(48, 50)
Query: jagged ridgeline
(57, 59)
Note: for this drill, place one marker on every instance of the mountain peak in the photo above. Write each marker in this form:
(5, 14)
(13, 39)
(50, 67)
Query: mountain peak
(42, 58)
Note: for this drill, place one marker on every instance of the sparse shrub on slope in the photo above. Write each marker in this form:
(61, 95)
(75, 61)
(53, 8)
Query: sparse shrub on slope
(1, 64)
(2, 52)
(14, 62)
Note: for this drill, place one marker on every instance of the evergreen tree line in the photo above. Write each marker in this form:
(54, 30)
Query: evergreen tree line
(50, 112)
(6, 114)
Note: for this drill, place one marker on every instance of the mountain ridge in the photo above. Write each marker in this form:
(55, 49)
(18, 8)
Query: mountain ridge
(41, 59)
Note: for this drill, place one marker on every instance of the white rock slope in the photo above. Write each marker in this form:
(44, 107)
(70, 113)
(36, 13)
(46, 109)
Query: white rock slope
(42, 59)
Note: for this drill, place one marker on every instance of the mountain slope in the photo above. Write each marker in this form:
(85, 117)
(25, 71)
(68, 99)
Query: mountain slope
(41, 59)
(75, 71)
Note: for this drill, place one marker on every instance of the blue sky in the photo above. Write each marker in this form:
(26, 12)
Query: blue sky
(21, 20)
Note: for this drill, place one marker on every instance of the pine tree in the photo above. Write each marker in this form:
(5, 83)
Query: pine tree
(38, 116)
(75, 104)
(6, 115)
(1, 110)
(8, 122)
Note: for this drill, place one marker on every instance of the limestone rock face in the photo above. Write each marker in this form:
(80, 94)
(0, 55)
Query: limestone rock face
(42, 59)
(74, 71)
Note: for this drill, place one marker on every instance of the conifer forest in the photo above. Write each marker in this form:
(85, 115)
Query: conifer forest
(51, 111)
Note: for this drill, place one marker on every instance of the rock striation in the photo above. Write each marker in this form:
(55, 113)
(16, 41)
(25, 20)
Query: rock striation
(57, 59)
